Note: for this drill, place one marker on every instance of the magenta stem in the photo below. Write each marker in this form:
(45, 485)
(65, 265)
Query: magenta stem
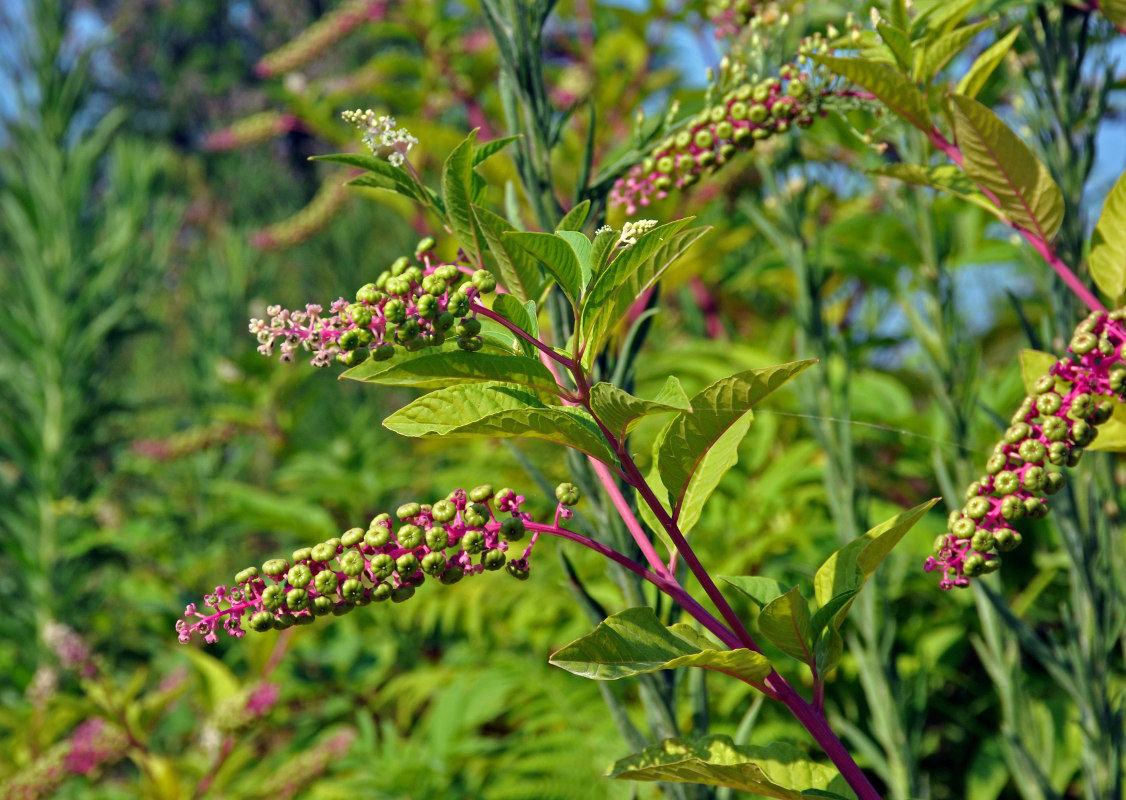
(627, 515)
(543, 348)
(1041, 245)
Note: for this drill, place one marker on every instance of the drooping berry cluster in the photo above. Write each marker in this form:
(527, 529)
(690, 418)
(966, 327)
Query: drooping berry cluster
(1048, 432)
(748, 113)
(730, 16)
(411, 305)
(320, 36)
(465, 534)
(255, 129)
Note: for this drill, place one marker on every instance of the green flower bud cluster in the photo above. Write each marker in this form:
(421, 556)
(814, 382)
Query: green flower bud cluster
(409, 306)
(1048, 432)
(464, 534)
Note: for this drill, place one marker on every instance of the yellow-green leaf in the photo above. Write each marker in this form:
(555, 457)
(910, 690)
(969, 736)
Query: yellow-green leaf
(1107, 261)
(998, 161)
(1033, 365)
(887, 83)
(973, 81)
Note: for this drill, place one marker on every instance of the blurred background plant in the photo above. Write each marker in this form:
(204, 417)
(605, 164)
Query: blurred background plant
(155, 193)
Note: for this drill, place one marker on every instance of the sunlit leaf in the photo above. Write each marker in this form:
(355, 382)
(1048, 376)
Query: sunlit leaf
(1107, 261)
(974, 80)
(887, 84)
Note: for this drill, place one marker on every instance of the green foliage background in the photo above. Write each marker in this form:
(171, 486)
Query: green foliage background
(147, 452)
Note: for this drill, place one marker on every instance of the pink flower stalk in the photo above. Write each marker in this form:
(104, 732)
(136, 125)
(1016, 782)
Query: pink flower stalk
(749, 113)
(1048, 432)
(252, 130)
(462, 535)
(320, 36)
(412, 306)
(92, 744)
(306, 223)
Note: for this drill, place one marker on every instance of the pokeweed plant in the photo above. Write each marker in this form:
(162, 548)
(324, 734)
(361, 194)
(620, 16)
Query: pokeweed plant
(491, 372)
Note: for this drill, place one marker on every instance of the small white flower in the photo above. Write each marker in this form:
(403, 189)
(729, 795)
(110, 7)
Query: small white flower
(631, 230)
(382, 135)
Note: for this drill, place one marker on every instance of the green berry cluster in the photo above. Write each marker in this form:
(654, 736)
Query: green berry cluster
(1048, 432)
(411, 305)
(465, 534)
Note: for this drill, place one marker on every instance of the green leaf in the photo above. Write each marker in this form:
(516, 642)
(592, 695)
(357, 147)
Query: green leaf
(1111, 436)
(634, 641)
(944, 177)
(1000, 162)
(697, 449)
(777, 770)
(519, 272)
(888, 84)
(785, 622)
(974, 80)
(1033, 365)
(503, 410)
(621, 412)
(1115, 11)
(602, 249)
(483, 152)
(523, 316)
(557, 257)
(574, 219)
(379, 174)
(457, 195)
(631, 274)
(435, 370)
(937, 54)
(1107, 261)
(848, 569)
(581, 245)
(218, 679)
(761, 590)
(898, 42)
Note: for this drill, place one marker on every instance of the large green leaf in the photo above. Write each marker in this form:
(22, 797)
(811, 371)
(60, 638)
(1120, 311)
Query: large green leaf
(457, 194)
(522, 315)
(483, 152)
(621, 411)
(785, 622)
(937, 53)
(1033, 365)
(627, 278)
(944, 177)
(887, 84)
(761, 590)
(581, 245)
(1107, 261)
(557, 257)
(499, 409)
(848, 569)
(973, 81)
(379, 174)
(701, 444)
(602, 249)
(435, 370)
(1115, 11)
(997, 160)
(898, 42)
(574, 219)
(778, 769)
(519, 272)
(634, 641)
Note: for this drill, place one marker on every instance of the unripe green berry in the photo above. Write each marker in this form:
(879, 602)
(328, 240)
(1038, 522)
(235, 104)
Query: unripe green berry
(383, 352)
(352, 590)
(409, 536)
(977, 508)
(283, 621)
(468, 327)
(322, 606)
(434, 564)
(400, 265)
(427, 306)
(479, 494)
(1006, 482)
(408, 510)
(972, 491)
(275, 567)
(413, 273)
(368, 293)
(758, 113)
(1032, 450)
(452, 575)
(1083, 343)
(493, 560)
(963, 528)
(718, 113)
(262, 621)
(444, 321)
(247, 575)
(703, 139)
(1035, 508)
(433, 284)
(302, 554)
(323, 552)
(996, 463)
(567, 493)
(416, 344)
(1048, 403)
(406, 565)
(381, 592)
(377, 536)
(437, 538)
(297, 599)
(517, 570)
(473, 542)
(395, 311)
(407, 332)
(424, 245)
(982, 541)
(1033, 479)
(471, 344)
(352, 563)
(443, 511)
(1082, 405)
(326, 582)
(484, 281)
(1023, 412)
(1012, 508)
(273, 597)
(1054, 428)
(1018, 433)
(402, 593)
(299, 576)
(1058, 452)
(1083, 433)
(398, 286)
(1007, 539)
(382, 565)
(1053, 482)
(512, 529)
(1104, 410)
(760, 93)
(974, 564)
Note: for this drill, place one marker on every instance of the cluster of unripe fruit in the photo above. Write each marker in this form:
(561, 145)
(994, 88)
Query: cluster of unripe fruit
(410, 305)
(1048, 433)
(465, 534)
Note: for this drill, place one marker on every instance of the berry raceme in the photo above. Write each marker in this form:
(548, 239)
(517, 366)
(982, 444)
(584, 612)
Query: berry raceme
(465, 534)
(410, 305)
(1048, 433)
